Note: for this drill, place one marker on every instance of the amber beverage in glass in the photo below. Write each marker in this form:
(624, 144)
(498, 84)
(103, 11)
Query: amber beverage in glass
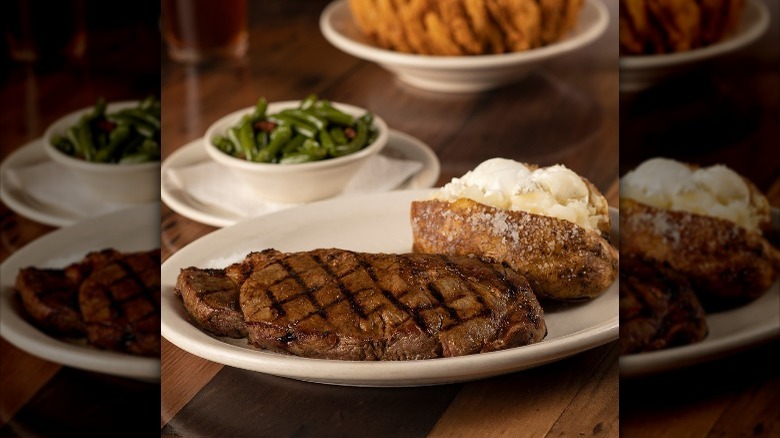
(196, 30)
(44, 30)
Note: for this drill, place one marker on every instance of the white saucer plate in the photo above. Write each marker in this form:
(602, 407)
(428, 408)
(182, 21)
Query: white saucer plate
(400, 145)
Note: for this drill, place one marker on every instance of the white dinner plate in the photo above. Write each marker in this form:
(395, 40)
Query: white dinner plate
(371, 223)
(135, 229)
(458, 74)
(400, 146)
(729, 332)
(638, 72)
(18, 197)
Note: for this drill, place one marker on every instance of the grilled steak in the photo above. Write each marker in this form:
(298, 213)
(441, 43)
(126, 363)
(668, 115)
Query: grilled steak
(337, 304)
(51, 300)
(120, 304)
(658, 308)
(111, 297)
(211, 299)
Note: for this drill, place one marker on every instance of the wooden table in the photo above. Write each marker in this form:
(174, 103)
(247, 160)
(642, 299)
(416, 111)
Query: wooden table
(122, 62)
(565, 112)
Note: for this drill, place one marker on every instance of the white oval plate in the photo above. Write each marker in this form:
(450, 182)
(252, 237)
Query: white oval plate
(458, 73)
(134, 229)
(640, 71)
(400, 145)
(371, 223)
(19, 199)
(730, 331)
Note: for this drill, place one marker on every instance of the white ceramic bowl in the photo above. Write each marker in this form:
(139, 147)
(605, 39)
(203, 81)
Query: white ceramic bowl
(295, 182)
(123, 183)
(639, 72)
(458, 74)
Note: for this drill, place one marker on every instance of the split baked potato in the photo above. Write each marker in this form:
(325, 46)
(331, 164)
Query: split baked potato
(706, 223)
(549, 224)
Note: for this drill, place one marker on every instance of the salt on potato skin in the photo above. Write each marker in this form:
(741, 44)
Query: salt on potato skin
(561, 260)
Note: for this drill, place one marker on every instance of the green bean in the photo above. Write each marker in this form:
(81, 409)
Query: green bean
(99, 110)
(142, 116)
(260, 108)
(279, 137)
(150, 147)
(293, 145)
(356, 143)
(333, 115)
(300, 126)
(327, 141)
(85, 139)
(118, 136)
(309, 102)
(103, 136)
(63, 144)
(314, 130)
(315, 149)
(337, 134)
(319, 123)
(310, 150)
(223, 144)
(246, 138)
(149, 103)
(232, 136)
(262, 140)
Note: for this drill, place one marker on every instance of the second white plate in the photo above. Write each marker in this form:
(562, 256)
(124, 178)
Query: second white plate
(371, 223)
(135, 229)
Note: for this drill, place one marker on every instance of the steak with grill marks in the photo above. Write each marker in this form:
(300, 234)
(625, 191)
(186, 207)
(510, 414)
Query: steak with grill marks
(210, 298)
(120, 303)
(338, 304)
(112, 298)
(51, 299)
(658, 308)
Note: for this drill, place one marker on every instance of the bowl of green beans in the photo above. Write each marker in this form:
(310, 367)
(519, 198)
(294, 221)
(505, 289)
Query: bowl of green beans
(113, 148)
(298, 150)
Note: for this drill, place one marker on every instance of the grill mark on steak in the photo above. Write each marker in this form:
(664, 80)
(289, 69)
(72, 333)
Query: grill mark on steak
(342, 288)
(118, 307)
(442, 302)
(452, 268)
(210, 297)
(305, 290)
(414, 314)
(275, 304)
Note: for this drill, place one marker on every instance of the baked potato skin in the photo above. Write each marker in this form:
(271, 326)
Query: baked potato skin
(562, 261)
(725, 263)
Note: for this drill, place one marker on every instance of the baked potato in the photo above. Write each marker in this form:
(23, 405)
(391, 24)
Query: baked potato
(706, 223)
(726, 263)
(561, 260)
